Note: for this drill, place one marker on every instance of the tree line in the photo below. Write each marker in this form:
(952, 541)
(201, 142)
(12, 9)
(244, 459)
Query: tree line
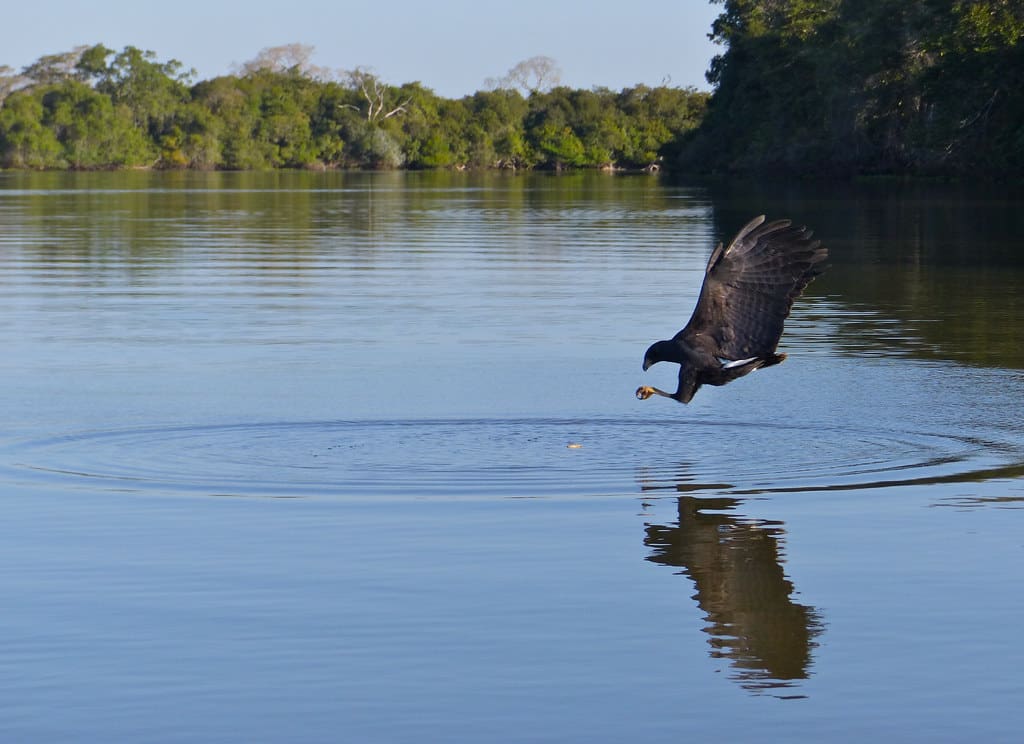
(95, 108)
(820, 87)
(853, 87)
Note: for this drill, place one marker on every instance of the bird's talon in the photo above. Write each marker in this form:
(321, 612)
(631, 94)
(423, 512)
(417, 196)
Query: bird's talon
(643, 392)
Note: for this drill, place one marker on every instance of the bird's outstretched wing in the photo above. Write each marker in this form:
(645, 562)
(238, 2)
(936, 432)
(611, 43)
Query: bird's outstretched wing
(749, 288)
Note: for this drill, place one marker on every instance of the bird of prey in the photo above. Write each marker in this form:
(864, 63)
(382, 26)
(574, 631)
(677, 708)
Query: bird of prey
(749, 288)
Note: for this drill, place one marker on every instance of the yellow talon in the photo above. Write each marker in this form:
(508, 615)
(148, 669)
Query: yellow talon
(643, 392)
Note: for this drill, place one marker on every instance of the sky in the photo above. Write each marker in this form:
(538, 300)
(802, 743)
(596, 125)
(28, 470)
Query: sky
(449, 46)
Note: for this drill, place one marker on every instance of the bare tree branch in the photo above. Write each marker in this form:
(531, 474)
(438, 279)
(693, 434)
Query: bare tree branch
(286, 58)
(376, 94)
(10, 81)
(533, 75)
(53, 68)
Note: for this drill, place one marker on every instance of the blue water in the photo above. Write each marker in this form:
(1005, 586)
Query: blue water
(329, 457)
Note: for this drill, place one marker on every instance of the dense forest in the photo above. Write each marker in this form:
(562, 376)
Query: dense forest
(819, 87)
(848, 86)
(94, 108)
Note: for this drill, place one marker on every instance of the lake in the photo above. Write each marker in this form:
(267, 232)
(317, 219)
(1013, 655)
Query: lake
(318, 457)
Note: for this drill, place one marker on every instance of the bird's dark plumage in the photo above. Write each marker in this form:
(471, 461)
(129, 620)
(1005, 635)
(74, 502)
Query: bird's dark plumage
(749, 289)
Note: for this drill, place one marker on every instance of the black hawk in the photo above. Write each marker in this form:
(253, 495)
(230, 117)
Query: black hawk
(749, 288)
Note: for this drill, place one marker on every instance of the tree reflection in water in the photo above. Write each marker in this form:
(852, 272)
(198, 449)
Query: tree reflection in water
(736, 566)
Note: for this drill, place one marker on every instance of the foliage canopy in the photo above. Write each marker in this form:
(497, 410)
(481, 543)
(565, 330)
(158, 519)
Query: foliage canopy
(819, 87)
(94, 108)
(844, 86)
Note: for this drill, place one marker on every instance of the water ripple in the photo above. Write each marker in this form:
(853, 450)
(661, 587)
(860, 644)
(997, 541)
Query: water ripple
(500, 458)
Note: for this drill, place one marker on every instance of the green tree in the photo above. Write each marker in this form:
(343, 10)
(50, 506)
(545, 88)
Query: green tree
(25, 141)
(560, 146)
(93, 132)
(235, 112)
(153, 92)
(284, 128)
(92, 63)
(195, 141)
(496, 136)
(845, 86)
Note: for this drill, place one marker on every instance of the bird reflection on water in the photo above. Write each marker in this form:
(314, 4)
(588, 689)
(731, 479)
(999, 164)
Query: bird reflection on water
(735, 563)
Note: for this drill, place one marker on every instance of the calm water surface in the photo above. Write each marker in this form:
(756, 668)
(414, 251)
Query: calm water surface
(285, 457)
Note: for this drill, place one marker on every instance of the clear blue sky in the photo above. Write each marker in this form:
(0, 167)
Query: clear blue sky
(448, 46)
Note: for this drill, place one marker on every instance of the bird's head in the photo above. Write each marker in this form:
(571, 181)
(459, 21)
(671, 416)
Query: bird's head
(671, 351)
(659, 351)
